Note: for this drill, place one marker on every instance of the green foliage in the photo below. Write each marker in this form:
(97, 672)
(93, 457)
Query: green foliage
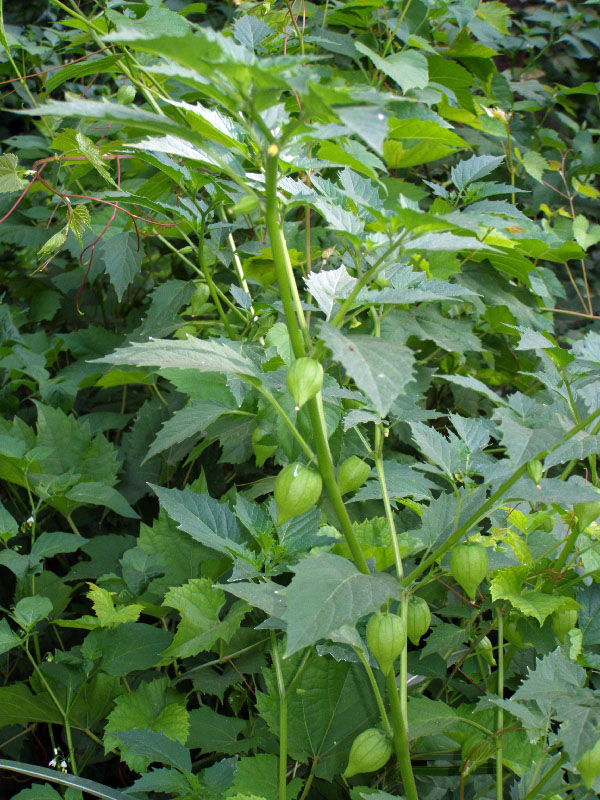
(298, 336)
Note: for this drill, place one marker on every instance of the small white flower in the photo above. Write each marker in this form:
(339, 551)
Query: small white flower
(30, 520)
(52, 763)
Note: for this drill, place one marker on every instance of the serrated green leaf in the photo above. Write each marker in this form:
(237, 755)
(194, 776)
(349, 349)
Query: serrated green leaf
(508, 585)
(408, 67)
(327, 593)
(80, 220)
(10, 180)
(154, 706)
(200, 628)
(380, 368)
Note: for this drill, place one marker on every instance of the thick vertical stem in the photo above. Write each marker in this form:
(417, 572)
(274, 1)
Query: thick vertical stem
(300, 339)
(500, 711)
(400, 740)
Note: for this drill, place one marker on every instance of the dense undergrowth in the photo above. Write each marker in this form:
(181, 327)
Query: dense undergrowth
(194, 196)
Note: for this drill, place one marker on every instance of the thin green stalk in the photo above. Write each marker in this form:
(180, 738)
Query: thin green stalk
(301, 343)
(324, 460)
(474, 518)
(378, 456)
(282, 719)
(466, 526)
(239, 268)
(376, 692)
(568, 548)
(363, 281)
(309, 780)
(60, 709)
(286, 420)
(400, 739)
(500, 711)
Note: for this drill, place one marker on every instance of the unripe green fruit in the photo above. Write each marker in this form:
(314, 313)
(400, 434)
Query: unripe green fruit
(418, 619)
(352, 474)
(386, 638)
(486, 650)
(370, 751)
(297, 489)
(535, 469)
(304, 380)
(562, 621)
(125, 94)
(586, 513)
(469, 566)
(199, 297)
(589, 765)
(547, 525)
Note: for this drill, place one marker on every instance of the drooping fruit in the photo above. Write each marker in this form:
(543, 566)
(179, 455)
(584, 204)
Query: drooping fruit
(589, 765)
(586, 513)
(297, 488)
(534, 470)
(469, 566)
(562, 621)
(352, 473)
(418, 619)
(370, 751)
(486, 650)
(304, 379)
(386, 638)
(125, 94)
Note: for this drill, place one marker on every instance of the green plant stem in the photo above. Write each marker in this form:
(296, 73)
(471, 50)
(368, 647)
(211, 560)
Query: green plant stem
(466, 526)
(338, 319)
(309, 780)
(285, 418)
(282, 719)
(292, 306)
(301, 343)
(376, 692)
(60, 709)
(569, 546)
(400, 739)
(533, 793)
(500, 711)
(378, 456)
(490, 502)
(239, 268)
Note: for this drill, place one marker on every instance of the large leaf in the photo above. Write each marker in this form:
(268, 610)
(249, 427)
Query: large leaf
(153, 706)
(327, 593)
(380, 368)
(200, 627)
(207, 521)
(408, 67)
(332, 704)
(206, 356)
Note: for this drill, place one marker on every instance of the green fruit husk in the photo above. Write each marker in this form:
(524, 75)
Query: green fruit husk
(352, 473)
(418, 619)
(469, 566)
(386, 639)
(370, 751)
(297, 489)
(304, 380)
